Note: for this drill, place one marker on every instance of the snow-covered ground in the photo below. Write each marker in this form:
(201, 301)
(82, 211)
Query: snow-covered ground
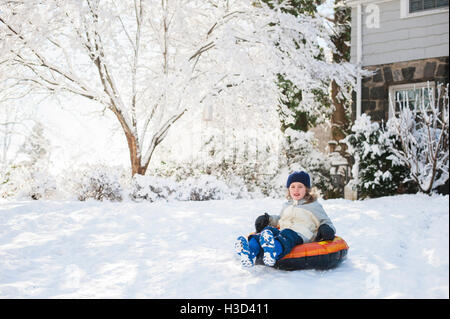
(399, 248)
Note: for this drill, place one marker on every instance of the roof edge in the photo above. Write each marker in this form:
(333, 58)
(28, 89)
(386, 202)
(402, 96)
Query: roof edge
(354, 3)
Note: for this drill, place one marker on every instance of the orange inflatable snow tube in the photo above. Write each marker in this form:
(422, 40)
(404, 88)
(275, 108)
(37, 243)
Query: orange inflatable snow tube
(319, 255)
(315, 255)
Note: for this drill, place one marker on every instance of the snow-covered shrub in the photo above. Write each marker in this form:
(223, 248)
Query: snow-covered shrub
(243, 179)
(206, 187)
(196, 188)
(176, 170)
(27, 182)
(423, 135)
(97, 182)
(380, 173)
(41, 186)
(152, 188)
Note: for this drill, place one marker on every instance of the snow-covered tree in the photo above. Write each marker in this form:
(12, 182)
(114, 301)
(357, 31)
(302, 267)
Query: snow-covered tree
(311, 108)
(423, 131)
(379, 172)
(35, 150)
(14, 121)
(9, 120)
(29, 176)
(151, 62)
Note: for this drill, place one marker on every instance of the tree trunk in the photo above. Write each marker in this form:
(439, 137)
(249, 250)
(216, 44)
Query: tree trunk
(133, 146)
(338, 119)
(339, 122)
(135, 156)
(137, 167)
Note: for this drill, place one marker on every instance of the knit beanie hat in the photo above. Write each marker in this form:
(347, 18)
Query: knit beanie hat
(301, 177)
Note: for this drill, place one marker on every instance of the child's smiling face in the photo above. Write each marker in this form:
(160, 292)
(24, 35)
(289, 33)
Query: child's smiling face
(297, 190)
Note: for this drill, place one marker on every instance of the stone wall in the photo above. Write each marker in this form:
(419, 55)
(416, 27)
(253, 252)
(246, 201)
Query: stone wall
(375, 89)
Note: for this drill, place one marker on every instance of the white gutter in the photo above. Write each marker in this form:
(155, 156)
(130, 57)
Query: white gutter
(354, 3)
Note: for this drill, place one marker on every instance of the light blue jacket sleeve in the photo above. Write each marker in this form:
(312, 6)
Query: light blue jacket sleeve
(318, 211)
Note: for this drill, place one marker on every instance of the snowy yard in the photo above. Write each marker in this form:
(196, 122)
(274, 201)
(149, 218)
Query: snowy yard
(399, 248)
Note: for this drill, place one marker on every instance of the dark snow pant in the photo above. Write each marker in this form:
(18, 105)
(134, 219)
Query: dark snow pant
(286, 237)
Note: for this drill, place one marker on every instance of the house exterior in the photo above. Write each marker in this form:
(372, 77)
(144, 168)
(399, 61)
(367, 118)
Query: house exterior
(406, 44)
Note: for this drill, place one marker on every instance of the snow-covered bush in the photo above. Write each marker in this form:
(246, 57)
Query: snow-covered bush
(27, 182)
(96, 182)
(175, 170)
(206, 187)
(243, 176)
(41, 185)
(379, 173)
(244, 179)
(424, 138)
(152, 188)
(198, 188)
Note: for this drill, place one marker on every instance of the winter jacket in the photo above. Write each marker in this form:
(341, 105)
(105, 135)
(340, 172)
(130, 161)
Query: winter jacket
(303, 218)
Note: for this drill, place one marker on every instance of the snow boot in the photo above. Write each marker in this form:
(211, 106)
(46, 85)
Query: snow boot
(267, 243)
(242, 248)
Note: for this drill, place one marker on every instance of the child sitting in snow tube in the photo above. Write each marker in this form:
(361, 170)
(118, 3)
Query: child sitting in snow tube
(301, 221)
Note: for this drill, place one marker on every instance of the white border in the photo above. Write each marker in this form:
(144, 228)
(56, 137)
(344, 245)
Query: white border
(404, 11)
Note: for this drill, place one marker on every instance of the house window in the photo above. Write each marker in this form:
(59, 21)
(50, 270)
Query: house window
(421, 5)
(410, 95)
(416, 8)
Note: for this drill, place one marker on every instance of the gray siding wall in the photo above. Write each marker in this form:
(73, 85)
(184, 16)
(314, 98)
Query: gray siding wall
(399, 39)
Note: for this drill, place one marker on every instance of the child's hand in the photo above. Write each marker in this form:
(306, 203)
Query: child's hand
(325, 232)
(261, 222)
